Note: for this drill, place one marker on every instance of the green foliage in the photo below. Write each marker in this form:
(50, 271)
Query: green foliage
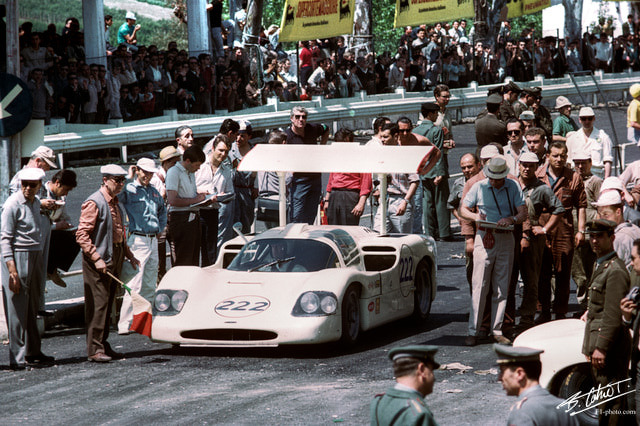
(385, 37)
(41, 14)
(526, 21)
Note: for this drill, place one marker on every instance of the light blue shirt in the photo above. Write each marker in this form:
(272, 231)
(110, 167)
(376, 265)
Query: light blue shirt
(145, 208)
(184, 183)
(509, 198)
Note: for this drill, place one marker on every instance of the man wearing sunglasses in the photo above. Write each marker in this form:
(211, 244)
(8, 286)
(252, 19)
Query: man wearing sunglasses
(594, 141)
(516, 146)
(102, 237)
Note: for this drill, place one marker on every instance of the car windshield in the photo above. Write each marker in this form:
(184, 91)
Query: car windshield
(284, 255)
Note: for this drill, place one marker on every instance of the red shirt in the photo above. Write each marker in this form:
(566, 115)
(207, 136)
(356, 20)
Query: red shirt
(359, 181)
(305, 57)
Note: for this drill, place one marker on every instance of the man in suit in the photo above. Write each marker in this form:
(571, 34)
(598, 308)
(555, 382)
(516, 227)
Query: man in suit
(489, 128)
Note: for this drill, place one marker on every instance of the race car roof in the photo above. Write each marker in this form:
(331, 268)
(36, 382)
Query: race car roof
(339, 158)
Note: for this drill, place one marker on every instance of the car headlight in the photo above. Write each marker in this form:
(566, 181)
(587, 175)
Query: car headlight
(315, 303)
(169, 302)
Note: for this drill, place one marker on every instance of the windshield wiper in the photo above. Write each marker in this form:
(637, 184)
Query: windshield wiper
(275, 262)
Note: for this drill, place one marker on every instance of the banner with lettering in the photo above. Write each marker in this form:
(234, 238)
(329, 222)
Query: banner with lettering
(525, 7)
(313, 19)
(417, 12)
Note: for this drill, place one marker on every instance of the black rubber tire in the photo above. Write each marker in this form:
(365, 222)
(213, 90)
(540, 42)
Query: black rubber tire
(350, 316)
(422, 294)
(579, 379)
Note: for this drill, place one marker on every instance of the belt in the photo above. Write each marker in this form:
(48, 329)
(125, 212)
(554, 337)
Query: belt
(346, 189)
(141, 234)
(496, 230)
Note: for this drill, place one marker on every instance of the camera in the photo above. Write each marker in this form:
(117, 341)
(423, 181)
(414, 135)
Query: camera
(634, 295)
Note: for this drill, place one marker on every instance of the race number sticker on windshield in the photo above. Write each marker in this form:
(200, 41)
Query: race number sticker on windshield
(242, 306)
(406, 269)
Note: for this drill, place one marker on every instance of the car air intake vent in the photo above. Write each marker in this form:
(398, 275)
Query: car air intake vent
(229, 335)
(234, 247)
(378, 248)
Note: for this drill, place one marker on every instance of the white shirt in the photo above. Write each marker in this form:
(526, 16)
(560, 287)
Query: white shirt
(598, 144)
(219, 183)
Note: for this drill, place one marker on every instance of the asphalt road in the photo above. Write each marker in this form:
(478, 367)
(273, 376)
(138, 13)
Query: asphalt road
(292, 385)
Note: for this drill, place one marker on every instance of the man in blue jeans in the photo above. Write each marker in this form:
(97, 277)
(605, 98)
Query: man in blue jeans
(306, 188)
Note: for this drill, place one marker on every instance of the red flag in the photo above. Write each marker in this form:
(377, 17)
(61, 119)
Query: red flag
(142, 317)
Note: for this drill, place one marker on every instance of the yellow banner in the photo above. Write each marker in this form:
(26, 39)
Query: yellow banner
(525, 7)
(416, 12)
(312, 19)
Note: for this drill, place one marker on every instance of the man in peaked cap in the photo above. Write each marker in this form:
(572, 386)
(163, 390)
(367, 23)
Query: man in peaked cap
(489, 128)
(403, 403)
(102, 236)
(607, 345)
(520, 369)
(510, 92)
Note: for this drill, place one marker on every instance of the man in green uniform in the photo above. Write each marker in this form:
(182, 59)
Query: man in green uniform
(607, 343)
(563, 124)
(519, 373)
(403, 404)
(435, 184)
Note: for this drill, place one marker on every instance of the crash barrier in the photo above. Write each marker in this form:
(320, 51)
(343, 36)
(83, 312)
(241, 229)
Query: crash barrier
(354, 113)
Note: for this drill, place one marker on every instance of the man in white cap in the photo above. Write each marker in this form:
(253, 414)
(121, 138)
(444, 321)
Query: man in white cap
(21, 248)
(128, 32)
(583, 257)
(101, 235)
(613, 183)
(594, 141)
(147, 215)
(500, 206)
(563, 124)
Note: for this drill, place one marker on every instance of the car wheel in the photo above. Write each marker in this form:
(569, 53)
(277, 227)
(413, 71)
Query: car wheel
(422, 293)
(580, 379)
(350, 316)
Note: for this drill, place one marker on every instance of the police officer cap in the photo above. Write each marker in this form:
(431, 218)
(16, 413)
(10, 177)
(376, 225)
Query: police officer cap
(533, 91)
(31, 174)
(600, 225)
(529, 157)
(430, 107)
(515, 354)
(113, 170)
(511, 87)
(424, 353)
(494, 98)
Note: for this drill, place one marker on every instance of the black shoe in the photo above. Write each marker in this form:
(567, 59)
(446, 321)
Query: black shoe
(113, 354)
(448, 239)
(18, 367)
(470, 341)
(46, 313)
(39, 359)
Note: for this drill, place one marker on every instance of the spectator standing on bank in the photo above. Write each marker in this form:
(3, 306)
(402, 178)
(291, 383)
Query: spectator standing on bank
(101, 235)
(214, 10)
(21, 248)
(346, 192)
(184, 218)
(128, 32)
(306, 188)
(563, 124)
(147, 216)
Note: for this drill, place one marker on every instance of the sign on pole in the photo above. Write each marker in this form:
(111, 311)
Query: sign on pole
(313, 19)
(16, 105)
(417, 12)
(519, 8)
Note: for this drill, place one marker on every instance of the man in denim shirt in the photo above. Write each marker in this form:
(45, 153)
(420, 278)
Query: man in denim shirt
(147, 218)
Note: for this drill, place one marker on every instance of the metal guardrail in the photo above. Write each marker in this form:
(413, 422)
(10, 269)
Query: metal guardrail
(464, 102)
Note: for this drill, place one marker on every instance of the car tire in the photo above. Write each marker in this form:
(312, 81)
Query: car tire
(422, 293)
(350, 316)
(579, 379)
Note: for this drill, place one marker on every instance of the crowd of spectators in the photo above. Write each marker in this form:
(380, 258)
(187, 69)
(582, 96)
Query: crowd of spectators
(140, 81)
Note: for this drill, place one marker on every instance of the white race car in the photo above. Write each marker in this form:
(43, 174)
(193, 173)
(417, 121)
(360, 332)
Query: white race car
(297, 284)
(565, 370)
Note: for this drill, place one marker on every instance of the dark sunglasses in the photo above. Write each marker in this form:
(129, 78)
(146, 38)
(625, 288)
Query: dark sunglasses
(404, 130)
(300, 117)
(30, 184)
(118, 179)
(513, 132)
(587, 118)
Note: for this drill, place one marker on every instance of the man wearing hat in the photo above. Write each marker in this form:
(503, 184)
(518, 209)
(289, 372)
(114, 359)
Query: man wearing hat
(500, 206)
(169, 156)
(489, 128)
(435, 184)
(633, 115)
(520, 369)
(563, 124)
(102, 236)
(539, 199)
(128, 32)
(607, 344)
(147, 215)
(243, 182)
(403, 403)
(21, 247)
(583, 257)
(510, 92)
(527, 98)
(594, 141)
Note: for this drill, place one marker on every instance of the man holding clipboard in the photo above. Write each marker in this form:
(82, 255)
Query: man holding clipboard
(500, 206)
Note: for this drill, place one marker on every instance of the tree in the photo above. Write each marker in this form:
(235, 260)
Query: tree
(488, 18)
(362, 26)
(572, 19)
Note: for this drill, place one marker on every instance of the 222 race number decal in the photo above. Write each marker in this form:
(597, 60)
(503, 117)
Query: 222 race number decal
(242, 306)
(406, 269)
